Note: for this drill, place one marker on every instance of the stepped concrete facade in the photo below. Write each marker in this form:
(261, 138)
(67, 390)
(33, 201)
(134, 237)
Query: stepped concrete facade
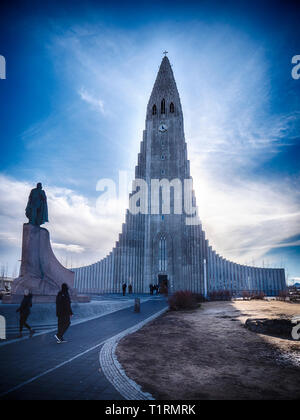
(167, 246)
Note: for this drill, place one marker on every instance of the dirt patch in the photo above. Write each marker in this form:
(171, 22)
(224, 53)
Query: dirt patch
(202, 354)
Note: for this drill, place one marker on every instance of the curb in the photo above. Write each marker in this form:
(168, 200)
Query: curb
(113, 370)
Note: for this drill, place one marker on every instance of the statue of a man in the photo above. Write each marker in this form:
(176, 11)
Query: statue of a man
(37, 209)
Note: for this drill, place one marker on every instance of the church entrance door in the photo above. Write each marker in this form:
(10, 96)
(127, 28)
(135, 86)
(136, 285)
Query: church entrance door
(163, 283)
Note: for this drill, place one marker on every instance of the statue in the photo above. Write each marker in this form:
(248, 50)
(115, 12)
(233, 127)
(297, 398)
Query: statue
(40, 271)
(37, 209)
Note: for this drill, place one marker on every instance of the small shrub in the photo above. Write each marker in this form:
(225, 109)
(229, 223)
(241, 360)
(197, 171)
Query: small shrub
(199, 297)
(246, 294)
(257, 295)
(220, 295)
(182, 300)
(282, 295)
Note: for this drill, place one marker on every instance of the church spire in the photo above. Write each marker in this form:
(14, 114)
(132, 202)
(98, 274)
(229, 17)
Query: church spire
(164, 89)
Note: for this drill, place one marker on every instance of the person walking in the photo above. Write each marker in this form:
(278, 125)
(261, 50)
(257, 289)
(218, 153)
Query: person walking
(63, 313)
(124, 286)
(24, 310)
(130, 289)
(151, 288)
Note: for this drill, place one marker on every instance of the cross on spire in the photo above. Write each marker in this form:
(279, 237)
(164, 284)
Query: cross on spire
(165, 53)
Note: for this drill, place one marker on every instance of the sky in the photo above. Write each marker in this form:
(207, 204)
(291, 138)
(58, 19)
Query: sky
(73, 105)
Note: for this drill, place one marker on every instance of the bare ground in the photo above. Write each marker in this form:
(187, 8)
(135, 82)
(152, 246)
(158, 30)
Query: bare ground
(209, 354)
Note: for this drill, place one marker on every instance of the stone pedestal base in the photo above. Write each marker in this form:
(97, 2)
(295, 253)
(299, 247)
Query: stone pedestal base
(41, 273)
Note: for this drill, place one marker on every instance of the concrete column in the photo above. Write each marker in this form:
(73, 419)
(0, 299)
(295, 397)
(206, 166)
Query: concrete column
(101, 277)
(261, 277)
(218, 272)
(227, 276)
(256, 273)
(90, 277)
(215, 271)
(106, 274)
(209, 276)
(273, 282)
(77, 280)
(81, 279)
(96, 277)
(244, 278)
(85, 279)
(93, 278)
(205, 277)
(235, 276)
(111, 273)
(278, 281)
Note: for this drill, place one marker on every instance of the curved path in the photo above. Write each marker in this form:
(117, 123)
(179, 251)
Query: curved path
(38, 368)
(113, 370)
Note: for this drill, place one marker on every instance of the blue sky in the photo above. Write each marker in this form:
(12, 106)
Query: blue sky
(73, 110)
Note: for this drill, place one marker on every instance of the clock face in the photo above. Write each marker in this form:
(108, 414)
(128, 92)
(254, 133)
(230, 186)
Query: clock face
(163, 127)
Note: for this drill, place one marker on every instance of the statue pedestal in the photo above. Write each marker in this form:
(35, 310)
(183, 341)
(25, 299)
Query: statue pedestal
(41, 272)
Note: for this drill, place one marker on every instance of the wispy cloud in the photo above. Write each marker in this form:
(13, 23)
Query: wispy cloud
(95, 103)
(76, 249)
(244, 219)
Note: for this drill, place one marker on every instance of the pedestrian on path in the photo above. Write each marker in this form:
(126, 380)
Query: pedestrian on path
(124, 286)
(24, 310)
(63, 313)
(130, 289)
(151, 288)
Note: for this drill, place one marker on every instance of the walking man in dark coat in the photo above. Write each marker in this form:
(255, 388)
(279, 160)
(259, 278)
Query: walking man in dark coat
(151, 288)
(24, 310)
(124, 286)
(63, 313)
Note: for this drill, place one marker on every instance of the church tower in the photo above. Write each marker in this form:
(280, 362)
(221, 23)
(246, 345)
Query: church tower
(164, 161)
(163, 242)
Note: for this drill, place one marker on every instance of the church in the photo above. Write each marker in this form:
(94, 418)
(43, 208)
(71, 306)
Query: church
(163, 242)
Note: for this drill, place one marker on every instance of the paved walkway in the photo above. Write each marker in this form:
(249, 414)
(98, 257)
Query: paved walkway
(43, 317)
(38, 368)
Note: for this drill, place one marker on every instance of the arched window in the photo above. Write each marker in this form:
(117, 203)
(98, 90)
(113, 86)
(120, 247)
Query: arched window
(162, 262)
(154, 110)
(163, 107)
(172, 108)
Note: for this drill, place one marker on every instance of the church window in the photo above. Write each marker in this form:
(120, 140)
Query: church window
(154, 110)
(163, 157)
(162, 263)
(172, 108)
(163, 107)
